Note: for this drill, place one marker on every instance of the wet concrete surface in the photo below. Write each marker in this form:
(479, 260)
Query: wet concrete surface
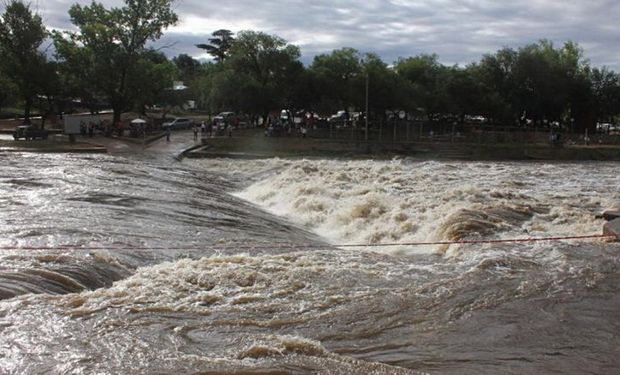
(179, 141)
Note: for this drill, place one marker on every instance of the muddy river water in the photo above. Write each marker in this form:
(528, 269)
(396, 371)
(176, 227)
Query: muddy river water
(143, 264)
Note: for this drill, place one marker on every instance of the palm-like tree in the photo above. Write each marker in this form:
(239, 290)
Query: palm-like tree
(219, 45)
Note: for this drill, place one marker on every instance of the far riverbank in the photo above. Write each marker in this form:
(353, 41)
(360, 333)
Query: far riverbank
(251, 143)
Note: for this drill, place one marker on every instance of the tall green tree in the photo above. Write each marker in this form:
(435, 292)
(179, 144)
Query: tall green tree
(540, 87)
(21, 34)
(8, 90)
(338, 77)
(220, 45)
(495, 73)
(268, 66)
(606, 90)
(151, 81)
(50, 88)
(580, 96)
(203, 84)
(385, 90)
(463, 92)
(551, 84)
(423, 74)
(109, 44)
(188, 67)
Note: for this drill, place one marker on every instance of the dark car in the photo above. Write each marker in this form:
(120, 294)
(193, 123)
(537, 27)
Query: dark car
(29, 132)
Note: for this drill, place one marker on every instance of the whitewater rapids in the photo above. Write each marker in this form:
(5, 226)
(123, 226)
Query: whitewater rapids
(257, 305)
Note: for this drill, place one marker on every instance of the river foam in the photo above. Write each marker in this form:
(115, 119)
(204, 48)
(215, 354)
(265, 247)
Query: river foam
(245, 308)
(403, 201)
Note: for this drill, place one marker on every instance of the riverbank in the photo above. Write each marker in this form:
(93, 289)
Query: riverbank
(251, 143)
(51, 146)
(60, 144)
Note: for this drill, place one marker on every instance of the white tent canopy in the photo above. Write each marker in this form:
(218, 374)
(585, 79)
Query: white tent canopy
(138, 121)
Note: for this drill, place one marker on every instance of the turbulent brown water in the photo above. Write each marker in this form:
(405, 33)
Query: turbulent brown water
(157, 266)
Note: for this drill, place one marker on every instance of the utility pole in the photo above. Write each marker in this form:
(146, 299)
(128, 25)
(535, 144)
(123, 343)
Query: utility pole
(366, 106)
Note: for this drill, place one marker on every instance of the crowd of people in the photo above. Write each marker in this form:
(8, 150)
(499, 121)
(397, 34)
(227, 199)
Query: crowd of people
(274, 125)
(286, 125)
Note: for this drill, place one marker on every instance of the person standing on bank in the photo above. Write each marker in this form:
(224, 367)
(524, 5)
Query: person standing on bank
(168, 134)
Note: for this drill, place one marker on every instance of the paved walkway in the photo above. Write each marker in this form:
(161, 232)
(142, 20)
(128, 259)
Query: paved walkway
(179, 141)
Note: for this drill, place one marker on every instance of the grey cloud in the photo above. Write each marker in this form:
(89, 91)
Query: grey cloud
(459, 31)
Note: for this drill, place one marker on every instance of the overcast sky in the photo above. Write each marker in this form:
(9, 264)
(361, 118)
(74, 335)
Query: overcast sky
(459, 31)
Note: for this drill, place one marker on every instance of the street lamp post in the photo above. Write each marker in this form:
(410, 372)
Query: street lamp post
(367, 79)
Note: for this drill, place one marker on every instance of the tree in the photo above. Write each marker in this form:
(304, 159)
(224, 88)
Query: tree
(8, 90)
(202, 86)
(551, 84)
(581, 100)
(490, 100)
(385, 92)
(50, 88)
(110, 42)
(220, 44)
(21, 35)
(263, 68)
(495, 73)
(150, 82)
(423, 73)
(464, 92)
(606, 90)
(188, 67)
(337, 78)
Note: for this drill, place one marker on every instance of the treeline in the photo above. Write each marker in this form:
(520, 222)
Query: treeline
(538, 84)
(106, 63)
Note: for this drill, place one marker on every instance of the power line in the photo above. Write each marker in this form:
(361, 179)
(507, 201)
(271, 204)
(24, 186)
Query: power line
(295, 246)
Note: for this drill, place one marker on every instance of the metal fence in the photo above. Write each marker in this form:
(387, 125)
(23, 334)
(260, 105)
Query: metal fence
(420, 131)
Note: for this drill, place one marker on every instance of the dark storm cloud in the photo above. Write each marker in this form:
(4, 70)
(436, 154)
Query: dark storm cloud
(459, 31)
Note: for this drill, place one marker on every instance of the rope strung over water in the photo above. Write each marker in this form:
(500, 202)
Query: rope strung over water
(293, 246)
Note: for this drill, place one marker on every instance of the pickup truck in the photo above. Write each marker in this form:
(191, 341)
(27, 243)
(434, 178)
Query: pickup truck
(29, 132)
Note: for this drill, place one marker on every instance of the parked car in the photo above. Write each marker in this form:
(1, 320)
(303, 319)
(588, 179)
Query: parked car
(223, 119)
(178, 123)
(285, 116)
(29, 132)
(340, 116)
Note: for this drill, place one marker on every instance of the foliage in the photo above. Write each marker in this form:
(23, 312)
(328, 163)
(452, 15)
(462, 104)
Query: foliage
(537, 82)
(385, 91)
(8, 91)
(260, 72)
(187, 66)
(106, 62)
(21, 34)
(334, 75)
(109, 46)
(220, 45)
(606, 92)
(423, 74)
(150, 82)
